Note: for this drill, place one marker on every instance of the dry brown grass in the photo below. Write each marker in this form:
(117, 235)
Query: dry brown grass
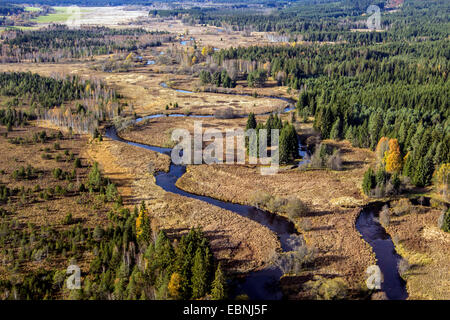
(419, 240)
(241, 243)
(53, 211)
(207, 35)
(158, 131)
(85, 208)
(342, 252)
(141, 88)
(330, 194)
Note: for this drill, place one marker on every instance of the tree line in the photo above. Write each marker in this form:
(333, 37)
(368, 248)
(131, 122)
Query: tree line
(95, 101)
(57, 42)
(330, 21)
(288, 139)
(393, 90)
(7, 9)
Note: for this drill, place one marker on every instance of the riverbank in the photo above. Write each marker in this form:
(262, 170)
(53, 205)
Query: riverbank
(240, 243)
(332, 196)
(426, 248)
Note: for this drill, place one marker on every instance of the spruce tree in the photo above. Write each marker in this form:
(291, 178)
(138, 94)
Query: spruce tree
(251, 121)
(393, 158)
(368, 181)
(288, 144)
(95, 180)
(164, 253)
(143, 226)
(218, 291)
(446, 222)
(424, 171)
(284, 146)
(380, 177)
(199, 276)
(408, 168)
(335, 133)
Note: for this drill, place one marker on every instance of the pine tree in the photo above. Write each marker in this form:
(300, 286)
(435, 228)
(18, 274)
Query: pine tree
(419, 177)
(95, 179)
(408, 168)
(143, 226)
(374, 126)
(324, 122)
(288, 143)
(395, 181)
(269, 126)
(446, 221)
(335, 133)
(131, 289)
(251, 121)
(284, 147)
(293, 141)
(368, 181)
(199, 276)
(218, 291)
(164, 253)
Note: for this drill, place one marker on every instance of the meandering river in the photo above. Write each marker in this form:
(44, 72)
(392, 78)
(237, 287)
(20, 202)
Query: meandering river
(262, 284)
(387, 258)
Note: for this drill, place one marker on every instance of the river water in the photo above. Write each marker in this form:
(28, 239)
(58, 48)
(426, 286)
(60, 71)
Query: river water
(387, 258)
(262, 284)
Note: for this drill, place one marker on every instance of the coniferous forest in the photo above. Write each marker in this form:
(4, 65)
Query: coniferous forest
(89, 187)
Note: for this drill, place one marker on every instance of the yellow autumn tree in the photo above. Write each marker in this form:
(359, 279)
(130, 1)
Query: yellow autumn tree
(194, 60)
(143, 227)
(174, 286)
(129, 56)
(441, 179)
(406, 157)
(393, 158)
(382, 148)
(207, 50)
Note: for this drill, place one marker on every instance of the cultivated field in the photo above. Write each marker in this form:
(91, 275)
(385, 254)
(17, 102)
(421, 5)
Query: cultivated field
(104, 16)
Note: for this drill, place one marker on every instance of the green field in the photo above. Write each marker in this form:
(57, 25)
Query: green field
(61, 15)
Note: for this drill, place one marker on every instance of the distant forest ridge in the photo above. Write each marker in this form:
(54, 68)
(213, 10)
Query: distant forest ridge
(267, 3)
(140, 2)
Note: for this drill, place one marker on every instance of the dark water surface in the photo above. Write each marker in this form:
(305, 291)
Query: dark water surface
(387, 258)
